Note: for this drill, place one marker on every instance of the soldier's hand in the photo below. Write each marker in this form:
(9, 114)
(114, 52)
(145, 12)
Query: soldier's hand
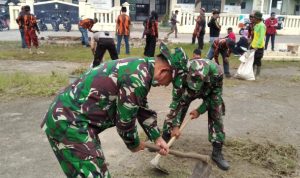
(139, 148)
(194, 114)
(175, 132)
(164, 148)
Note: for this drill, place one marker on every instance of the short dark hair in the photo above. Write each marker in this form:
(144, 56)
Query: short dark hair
(216, 11)
(162, 57)
(230, 28)
(154, 15)
(123, 9)
(197, 52)
(176, 11)
(26, 8)
(273, 13)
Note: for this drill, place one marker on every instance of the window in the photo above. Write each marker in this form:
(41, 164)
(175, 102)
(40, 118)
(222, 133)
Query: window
(211, 4)
(243, 5)
(160, 6)
(274, 3)
(185, 1)
(232, 3)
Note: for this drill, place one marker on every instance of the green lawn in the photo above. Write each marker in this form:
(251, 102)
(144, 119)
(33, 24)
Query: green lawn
(24, 84)
(77, 53)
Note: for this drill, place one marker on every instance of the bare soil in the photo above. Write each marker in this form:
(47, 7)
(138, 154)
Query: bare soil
(261, 111)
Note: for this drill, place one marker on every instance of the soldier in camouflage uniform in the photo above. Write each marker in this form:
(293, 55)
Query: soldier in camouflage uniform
(112, 94)
(203, 79)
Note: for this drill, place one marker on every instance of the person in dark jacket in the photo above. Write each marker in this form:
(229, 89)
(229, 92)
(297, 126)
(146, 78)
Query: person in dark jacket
(214, 26)
(151, 31)
(20, 22)
(214, 29)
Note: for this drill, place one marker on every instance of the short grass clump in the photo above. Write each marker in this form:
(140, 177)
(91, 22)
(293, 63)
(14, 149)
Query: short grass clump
(24, 84)
(79, 71)
(295, 78)
(280, 159)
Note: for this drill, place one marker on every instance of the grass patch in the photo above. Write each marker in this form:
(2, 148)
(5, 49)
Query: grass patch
(280, 159)
(76, 53)
(78, 71)
(295, 78)
(24, 84)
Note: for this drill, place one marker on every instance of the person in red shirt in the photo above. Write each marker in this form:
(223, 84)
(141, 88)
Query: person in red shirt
(30, 29)
(271, 24)
(123, 30)
(223, 46)
(151, 34)
(84, 26)
(231, 34)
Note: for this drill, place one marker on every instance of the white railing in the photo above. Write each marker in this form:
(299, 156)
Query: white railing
(106, 18)
(291, 24)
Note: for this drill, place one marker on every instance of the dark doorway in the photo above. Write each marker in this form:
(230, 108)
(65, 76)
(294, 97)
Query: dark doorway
(142, 11)
(211, 4)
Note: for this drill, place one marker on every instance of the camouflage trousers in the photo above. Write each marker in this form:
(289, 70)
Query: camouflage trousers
(215, 121)
(76, 163)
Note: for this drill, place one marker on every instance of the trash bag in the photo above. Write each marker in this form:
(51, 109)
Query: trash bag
(245, 70)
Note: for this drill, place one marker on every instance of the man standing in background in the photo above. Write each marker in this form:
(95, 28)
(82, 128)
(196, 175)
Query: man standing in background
(123, 30)
(258, 42)
(214, 27)
(271, 24)
(200, 28)
(20, 22)
(30, 29)
(151, 34)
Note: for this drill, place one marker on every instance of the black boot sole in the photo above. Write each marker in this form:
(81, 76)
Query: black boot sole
(220, 166)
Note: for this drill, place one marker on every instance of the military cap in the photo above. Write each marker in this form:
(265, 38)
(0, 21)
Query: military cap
(178, 60)
(197, 72)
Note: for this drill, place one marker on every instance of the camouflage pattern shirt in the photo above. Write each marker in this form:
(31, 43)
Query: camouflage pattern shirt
(113, 94)
(203, 80)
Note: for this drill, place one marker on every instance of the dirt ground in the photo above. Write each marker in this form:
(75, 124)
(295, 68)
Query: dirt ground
(261, 111)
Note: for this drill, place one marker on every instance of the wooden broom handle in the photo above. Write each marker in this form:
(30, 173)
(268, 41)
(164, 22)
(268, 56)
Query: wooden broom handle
(204, 158)
(185, 121)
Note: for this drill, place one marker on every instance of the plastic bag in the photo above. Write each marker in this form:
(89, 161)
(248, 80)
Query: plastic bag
(245, 70)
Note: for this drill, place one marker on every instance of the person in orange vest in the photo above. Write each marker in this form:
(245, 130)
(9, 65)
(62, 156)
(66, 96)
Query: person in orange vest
(84, 26)
(30, 29)
(123, 30)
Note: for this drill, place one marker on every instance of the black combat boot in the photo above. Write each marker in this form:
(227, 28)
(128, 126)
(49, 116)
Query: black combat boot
(257, 74)
(217, 156)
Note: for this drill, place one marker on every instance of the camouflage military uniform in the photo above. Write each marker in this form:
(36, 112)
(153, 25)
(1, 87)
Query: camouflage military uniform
(113, 94)
(204, 79)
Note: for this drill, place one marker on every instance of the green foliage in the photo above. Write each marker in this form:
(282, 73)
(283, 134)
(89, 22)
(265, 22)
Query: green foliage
(165, 20)
(24, 84)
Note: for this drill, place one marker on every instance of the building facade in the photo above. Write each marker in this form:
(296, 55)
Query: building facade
(283, 7)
